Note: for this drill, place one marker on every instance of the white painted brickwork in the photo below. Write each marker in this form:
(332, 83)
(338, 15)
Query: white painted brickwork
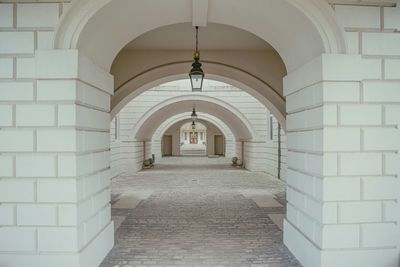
(16, 140)
(380, 43)
(37, 203)
(45, 40)
(27, 214)
(16, 91)
(6, 67)
(6, 118)
(360, 140)
(126, 157)
(35, 115)
(391, 18)
(17, 239)
(37, 15)
(358, 16)
(392, 68)
(6, 15)
(49, 239)
(17, 190)
(7, 214)
(7, 164)
(17, 42)
(264, 156)
(35, 166)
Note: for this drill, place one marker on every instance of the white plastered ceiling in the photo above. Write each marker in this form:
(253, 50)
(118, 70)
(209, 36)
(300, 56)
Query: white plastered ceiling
(284, 24)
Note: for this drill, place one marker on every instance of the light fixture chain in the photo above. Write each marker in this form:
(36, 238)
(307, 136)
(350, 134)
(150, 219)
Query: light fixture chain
(197, 38)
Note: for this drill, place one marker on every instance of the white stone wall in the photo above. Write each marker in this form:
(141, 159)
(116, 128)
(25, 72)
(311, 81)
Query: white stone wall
(175, 133)
(343, 140)
(126, 157)
(264, 156)
(229, 143)
(54, 143)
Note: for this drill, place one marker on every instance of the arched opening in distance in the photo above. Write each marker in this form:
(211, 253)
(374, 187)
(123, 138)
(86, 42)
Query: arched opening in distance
(148, 123)
(193, 139)
(213, 124)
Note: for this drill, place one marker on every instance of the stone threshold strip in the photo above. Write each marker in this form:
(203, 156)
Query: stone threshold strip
(123, 205)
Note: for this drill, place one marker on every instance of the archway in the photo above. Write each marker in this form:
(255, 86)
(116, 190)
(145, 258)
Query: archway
(145, 104)
(343, 166)
(327, 36)
(206, 119)
(192, 138)
(315, 21)
(227, 74)
(149, 122)
(78, 28)
(259, 68)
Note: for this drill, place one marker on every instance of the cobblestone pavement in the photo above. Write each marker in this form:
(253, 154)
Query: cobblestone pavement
(197, 212)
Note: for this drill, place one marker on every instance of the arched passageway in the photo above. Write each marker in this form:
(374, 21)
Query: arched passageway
(238, 123)
(234, 111)
(228, 112)
(214, 125)
(186, 138)
(336, 60)
(198, 180)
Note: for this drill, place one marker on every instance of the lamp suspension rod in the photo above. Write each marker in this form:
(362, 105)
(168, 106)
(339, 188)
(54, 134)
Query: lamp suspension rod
(197, 38)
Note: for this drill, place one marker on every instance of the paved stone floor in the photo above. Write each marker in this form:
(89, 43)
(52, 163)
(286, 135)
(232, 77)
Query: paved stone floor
(194, 211)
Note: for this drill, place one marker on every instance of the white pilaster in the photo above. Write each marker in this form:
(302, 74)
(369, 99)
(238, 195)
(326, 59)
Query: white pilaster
(340, 159)
(59, 156)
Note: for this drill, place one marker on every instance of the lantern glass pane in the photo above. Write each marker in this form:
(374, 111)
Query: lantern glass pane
(197, 81)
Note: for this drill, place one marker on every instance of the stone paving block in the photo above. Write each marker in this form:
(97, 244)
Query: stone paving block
(127, 202)
(277, 219)
(117, 221)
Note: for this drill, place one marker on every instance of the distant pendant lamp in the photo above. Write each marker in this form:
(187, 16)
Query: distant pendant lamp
(196, 74)
(193, 125)
(193, 115)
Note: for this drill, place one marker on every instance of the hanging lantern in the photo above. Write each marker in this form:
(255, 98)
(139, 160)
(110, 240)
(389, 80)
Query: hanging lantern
(193, 125)
(196, 74)
(194, 115)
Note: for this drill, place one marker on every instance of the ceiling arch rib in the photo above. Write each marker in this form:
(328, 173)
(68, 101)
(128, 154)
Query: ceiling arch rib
(199, 13)
(234, 119)
(219, 72)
